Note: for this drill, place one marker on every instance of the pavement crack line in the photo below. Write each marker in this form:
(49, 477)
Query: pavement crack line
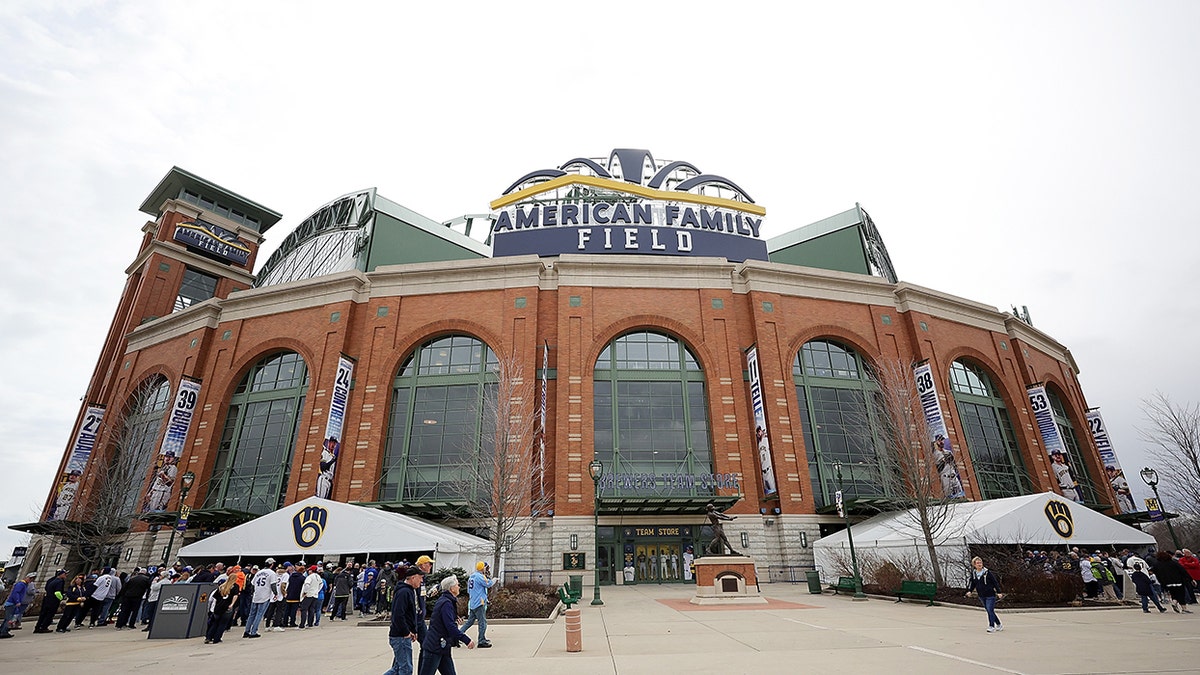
(803, 623)
(970, 661)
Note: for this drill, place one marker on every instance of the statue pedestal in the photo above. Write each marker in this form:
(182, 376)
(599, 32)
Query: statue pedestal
(726, 580)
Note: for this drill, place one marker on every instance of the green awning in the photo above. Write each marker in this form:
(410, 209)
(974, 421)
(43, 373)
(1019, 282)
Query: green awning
(59, 527)
(614, 506)
(432, 509)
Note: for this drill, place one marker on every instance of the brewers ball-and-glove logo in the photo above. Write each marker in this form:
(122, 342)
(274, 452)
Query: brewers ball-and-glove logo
(308, 525)
(1059, 515)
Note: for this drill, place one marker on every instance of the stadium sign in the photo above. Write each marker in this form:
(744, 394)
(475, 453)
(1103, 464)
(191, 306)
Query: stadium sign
(627, 204)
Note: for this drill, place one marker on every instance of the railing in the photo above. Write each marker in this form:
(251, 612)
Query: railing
(536, 576)
(793, 574)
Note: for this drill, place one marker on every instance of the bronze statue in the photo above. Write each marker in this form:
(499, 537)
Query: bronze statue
(720, 542)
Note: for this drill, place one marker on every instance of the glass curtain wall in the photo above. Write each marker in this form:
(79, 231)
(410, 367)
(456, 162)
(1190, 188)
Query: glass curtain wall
(440, 435)
(650, 418)
(257, 444)
(989, 433)
(833, 387)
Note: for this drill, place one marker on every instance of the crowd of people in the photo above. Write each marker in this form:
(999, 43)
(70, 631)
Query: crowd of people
(271, 597)
(1158, 576)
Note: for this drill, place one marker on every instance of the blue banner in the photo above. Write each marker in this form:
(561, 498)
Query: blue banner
(179, 424)
(1060, 462)
(81, 451)
(331, 447)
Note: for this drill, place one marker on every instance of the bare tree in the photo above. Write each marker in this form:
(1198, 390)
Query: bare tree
(1173, 432)
(112, 483)
(909, 459)
(502, 475)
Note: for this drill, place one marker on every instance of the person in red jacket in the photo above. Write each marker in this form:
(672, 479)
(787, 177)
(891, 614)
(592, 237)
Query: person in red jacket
(1190, 563)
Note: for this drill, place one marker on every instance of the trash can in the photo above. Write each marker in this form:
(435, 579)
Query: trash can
(576, 585)
(814, 582)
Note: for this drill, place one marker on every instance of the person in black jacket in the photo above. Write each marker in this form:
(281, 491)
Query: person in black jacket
(136, 587)
(1172, 576)
(72, 605)
(343, 587)
(54, 595)
(985, 584)
(404, 622)
(443, 632)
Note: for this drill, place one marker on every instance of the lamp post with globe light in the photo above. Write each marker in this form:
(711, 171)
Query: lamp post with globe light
(1150, 477)
(858, 591)
(185, 484)
(596, 470)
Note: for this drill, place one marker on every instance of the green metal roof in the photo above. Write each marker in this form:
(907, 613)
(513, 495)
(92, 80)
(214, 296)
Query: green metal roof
(177, 178)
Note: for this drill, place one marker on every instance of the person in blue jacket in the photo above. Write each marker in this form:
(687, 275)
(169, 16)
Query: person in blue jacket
(478, 585)
(12, 604)
(985, 584)
(443, 634)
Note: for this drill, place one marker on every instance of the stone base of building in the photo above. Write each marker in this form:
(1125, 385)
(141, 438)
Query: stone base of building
(726, 580)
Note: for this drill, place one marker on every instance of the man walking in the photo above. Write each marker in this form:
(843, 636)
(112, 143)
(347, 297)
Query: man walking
(478, 585)
(54, 595)
(404, 622)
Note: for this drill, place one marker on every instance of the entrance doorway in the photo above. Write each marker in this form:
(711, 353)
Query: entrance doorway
(656, 554)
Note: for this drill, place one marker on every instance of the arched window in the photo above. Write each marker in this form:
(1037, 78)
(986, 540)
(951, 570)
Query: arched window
(145, 411)
(438, 426)
(257, 444)
(833, 388)
(1079, 470)
(650, 418)
(989, 433)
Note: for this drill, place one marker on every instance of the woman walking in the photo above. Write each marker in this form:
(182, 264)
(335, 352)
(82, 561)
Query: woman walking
(443, 634)
(986, 585)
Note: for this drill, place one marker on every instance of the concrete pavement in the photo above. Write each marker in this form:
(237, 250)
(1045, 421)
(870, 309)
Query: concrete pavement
(650, 629)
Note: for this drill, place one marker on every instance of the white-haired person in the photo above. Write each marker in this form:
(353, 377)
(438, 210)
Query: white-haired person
(443, 635)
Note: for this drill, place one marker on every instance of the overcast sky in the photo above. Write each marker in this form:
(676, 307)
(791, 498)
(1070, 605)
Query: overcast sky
(1028, 153)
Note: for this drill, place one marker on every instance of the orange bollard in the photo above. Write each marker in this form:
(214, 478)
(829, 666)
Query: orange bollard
(574, 629)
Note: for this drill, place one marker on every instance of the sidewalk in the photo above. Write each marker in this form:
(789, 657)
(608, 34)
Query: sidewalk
(652, 630)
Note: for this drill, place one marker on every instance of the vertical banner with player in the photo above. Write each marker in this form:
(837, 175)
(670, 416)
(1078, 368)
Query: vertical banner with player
(542, 424)
(166, 469)
(1108, 458)
(1060, 465)
(939, 440)
(331, 447)
(81, 450)
(763, 442)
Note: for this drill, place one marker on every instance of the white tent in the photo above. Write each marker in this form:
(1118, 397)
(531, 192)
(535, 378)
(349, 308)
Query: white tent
(1041, 520)
(318, 528)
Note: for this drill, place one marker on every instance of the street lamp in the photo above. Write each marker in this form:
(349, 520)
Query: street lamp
(185, 484)
(1150, 477)
(858, 592)
(596, 470)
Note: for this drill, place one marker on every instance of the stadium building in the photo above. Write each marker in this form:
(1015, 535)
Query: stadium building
(623, 309)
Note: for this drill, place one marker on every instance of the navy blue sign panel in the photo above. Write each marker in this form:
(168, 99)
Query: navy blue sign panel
(213, 239)
(628, 240)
